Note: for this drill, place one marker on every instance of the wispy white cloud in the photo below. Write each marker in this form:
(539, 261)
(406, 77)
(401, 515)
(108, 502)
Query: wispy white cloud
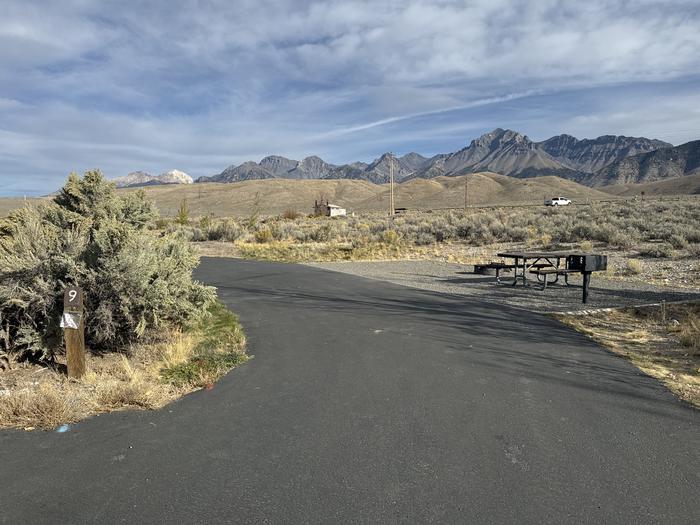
(399, 118)
(147, 85)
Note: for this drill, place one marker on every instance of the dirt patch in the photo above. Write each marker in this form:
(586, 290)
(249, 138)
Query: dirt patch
(663, 341)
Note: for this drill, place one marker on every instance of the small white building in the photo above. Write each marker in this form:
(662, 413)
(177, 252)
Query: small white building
(329, 210)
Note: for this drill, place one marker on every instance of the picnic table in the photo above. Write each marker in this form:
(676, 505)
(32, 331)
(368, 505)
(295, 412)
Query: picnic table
(524, 262)
(545, 264)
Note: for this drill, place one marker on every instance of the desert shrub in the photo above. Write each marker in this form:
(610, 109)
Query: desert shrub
(657, 250)
(621, 240)
(281, 230)
(517, 234)
(198, 235)
(633, 267)
(205, 223)
(423, 239)
(291, 215)
(322, 233)
(689, 332)
(390, 237)
(605, 233)
(678, 241)
(183, 233)
(228, 230)
(264, 235)
(692, 234)
(545, 240)
(134, 280)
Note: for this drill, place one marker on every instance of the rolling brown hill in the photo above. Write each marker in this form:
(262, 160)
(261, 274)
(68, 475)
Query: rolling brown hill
(688, 185)
(486, 189)
(274, 196)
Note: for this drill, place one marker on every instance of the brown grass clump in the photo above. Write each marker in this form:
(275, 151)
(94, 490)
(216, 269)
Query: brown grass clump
(47, 405)
(662, 341)
(149, 377)
(633, 267)
(688, 331)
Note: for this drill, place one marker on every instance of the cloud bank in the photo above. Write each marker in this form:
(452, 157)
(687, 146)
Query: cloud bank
(199, 85)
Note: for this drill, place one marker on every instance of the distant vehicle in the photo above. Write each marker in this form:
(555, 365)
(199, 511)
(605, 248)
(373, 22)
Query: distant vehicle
(557, 201)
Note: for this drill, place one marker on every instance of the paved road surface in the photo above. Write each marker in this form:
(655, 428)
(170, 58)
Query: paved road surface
(368, 402)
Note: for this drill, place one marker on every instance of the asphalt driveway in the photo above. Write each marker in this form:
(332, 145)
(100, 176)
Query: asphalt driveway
(369, 402)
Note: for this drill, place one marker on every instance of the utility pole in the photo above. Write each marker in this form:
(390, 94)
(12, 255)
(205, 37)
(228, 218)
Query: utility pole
(392, 208)
(466, 187)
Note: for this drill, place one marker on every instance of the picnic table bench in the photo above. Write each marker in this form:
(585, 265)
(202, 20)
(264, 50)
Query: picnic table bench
(498, 266)
(543, 273)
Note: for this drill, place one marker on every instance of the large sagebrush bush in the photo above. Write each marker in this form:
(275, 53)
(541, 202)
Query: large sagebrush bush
(135, 280)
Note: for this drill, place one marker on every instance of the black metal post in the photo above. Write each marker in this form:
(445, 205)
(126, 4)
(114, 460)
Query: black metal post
(586, 282)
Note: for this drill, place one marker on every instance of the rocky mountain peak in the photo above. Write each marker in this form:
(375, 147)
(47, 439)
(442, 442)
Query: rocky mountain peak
(498, 138)
(277, 164)
(141, 178)
(591, 155)
(175, 177)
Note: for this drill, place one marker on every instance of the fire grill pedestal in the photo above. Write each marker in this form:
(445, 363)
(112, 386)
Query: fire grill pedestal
(586, 264)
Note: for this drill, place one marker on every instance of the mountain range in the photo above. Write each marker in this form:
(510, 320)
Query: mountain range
(657, 165)
(609, 159)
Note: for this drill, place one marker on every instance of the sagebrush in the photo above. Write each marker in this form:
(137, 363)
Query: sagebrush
(135, 279)
(655, 229)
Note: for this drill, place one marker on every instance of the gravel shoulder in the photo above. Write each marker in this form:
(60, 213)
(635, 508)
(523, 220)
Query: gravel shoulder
(454, 278)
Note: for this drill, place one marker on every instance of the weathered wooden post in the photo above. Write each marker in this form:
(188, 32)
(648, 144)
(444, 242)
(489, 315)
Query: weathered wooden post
(74, 331)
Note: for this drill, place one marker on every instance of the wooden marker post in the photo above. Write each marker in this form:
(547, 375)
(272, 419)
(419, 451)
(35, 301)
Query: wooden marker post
(74, 331)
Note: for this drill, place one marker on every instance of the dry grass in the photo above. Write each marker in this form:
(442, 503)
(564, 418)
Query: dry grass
(286, 251)
(633, 266)
(650, 235)
(663, 342)
(33, 396)
(46, 405)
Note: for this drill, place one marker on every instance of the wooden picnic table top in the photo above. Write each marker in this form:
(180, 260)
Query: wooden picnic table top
(534, 255)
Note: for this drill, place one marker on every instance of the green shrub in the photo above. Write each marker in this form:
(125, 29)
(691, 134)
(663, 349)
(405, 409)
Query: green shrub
(217, 353)
(183, 213)
(205, 222)
(134, 280)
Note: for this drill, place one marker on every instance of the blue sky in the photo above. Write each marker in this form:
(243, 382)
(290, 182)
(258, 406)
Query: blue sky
(201, 85)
